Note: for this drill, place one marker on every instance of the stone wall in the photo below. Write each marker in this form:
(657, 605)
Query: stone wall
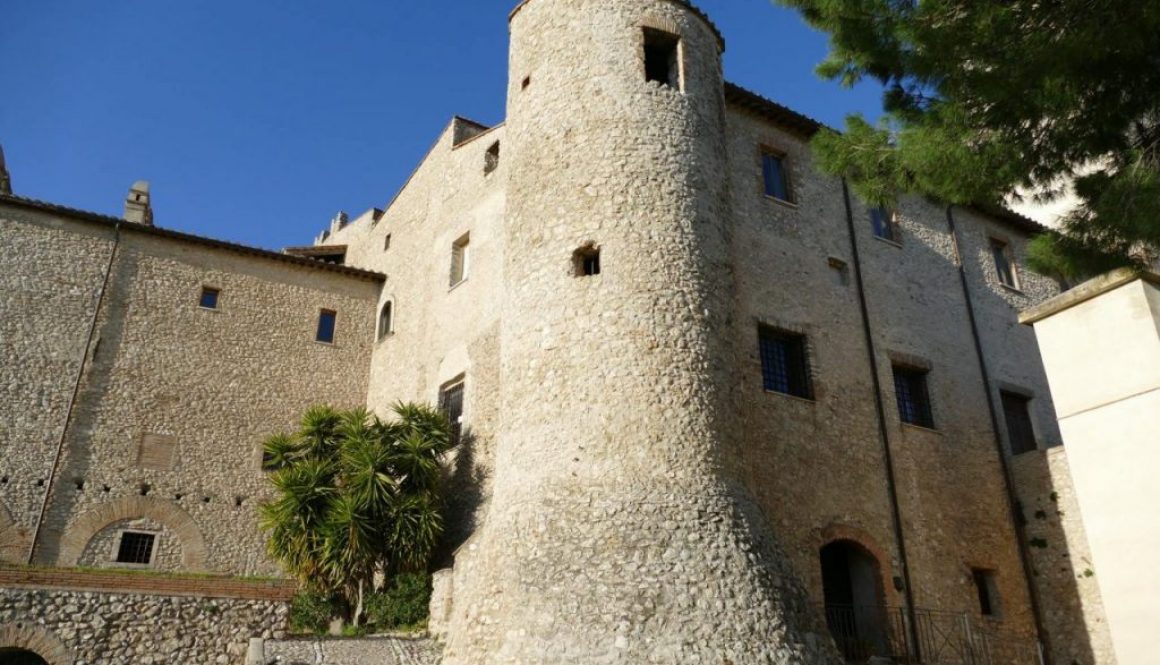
(72, 616)
(1065, 573)
(440, 332)
(209, 384)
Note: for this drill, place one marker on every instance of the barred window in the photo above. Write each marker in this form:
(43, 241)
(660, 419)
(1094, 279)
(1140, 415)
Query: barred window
(910, 389)
(1020, 432)
(451, 404)
(784, 362)
(136, 548)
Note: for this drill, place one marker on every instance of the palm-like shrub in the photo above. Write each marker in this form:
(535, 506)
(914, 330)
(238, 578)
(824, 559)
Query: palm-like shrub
(356, 496)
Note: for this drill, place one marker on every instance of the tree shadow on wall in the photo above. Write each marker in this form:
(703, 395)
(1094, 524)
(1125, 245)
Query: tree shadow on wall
(463, 513)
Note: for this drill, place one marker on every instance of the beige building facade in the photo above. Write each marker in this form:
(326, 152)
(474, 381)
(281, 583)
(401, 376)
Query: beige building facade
(1101, 346)
(714, 408)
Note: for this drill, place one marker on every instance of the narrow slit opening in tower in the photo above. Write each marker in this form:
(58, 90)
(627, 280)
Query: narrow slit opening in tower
(662, 57)
(586, 261)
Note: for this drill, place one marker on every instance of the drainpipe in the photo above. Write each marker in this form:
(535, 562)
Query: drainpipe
(884, 435)
(1008, 479)
(73, 398)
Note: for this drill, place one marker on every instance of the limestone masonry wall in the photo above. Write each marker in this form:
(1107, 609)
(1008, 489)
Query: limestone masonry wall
(205, 385)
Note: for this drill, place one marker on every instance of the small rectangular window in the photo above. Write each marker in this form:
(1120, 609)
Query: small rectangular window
(910, 389)
(459, 260)
(1004, 263)
(885, 223)
(775, 177)
(326, 324)
(662, 58)
(987, 591)
(586, 261)
(1020, 432)
(451, 404)
(387, 242)
(784, 362)
(136, 548)
(209, 298)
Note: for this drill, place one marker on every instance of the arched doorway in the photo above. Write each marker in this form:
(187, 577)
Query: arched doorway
(20, 657)
(855, 605)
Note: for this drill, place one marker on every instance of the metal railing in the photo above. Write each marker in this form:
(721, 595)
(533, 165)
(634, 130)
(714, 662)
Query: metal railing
(867, 632)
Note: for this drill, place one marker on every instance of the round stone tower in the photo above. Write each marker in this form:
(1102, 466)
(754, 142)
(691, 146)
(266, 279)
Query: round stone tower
(615, 532)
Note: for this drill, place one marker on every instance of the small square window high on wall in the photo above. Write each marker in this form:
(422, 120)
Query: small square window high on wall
(1005, 266)
(327, 322)
(913, 396)
(209, 298)
(785, 364)
(775, 176)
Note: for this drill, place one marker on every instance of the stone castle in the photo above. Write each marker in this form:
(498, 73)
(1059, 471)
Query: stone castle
(714, 409)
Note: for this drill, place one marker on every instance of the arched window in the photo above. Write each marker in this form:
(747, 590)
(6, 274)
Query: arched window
(385, 321)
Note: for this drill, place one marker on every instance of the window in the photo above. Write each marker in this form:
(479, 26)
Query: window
(387, 242)
(1020, 432)
(662, 58)
(586, 261)
(491, 158)
(1004, 263)
(784, 364)
(209, 298)
(885, 223)
(774, 175)
(910, 390)
(136, 548)
(385, 320)
(987, 590)
(326, 325)
(459, 260)
(451, 404)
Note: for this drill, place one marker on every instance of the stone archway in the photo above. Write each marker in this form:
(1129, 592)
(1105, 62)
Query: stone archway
(37, 640)
(82, 529)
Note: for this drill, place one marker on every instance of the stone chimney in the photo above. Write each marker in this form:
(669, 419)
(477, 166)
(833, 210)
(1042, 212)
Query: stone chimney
(138, 209)
(5, 179)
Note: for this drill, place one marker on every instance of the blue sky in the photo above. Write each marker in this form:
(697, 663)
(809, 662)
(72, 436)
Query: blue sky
(256, 121)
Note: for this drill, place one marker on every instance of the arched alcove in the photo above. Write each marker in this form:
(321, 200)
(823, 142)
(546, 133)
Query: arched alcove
(83, 528)
(28, 644)
(855, 603)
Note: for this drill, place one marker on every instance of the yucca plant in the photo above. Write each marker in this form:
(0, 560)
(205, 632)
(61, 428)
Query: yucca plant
(356, 496)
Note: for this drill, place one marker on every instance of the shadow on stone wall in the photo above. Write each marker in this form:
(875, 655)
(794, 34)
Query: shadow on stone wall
(465, 500)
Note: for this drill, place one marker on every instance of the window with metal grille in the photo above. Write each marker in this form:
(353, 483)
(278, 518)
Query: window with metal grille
(987, 590)
(885, 223)
(451, 404)
(910, 389)
(459, 260)
(327, 321)
(209, 298)
(775, 176)
(784, 362)
(136, 548)
(662, 57)
(1004, 263)
(1020, 431)
(385, 320)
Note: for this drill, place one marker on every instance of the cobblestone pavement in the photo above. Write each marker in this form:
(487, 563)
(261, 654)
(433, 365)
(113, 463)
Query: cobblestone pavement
(366, 651)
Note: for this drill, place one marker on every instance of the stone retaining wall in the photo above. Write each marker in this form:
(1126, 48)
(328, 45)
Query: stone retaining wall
(79, 617)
